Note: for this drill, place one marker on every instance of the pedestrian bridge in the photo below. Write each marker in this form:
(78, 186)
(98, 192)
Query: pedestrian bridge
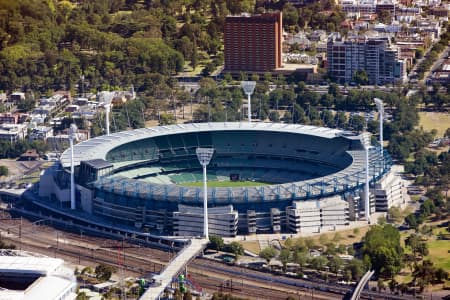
(174, 267)
(361, 284)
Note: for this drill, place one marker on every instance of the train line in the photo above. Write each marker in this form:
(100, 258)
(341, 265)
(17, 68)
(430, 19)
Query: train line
(255, 283)
(212, 282)
(136, 261)
(288, 283)
(42, 239)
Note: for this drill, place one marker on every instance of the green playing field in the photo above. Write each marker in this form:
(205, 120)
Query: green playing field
(225, 183)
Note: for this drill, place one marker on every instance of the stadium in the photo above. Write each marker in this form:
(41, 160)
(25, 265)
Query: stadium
(263, 178)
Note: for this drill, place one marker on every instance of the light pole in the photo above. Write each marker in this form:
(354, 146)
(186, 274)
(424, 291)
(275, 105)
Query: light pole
(249, 87)
(107, 110)
(72, 136)
(365, 141)
(380, 107)
(204, 156)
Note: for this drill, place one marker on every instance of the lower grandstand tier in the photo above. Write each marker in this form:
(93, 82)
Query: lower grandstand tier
(306, 178)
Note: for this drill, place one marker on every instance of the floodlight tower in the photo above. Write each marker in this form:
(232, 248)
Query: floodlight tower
(107, 111)
(249, 87)
(72, 136)
(380, 107)
(365, 141)
(204, 156)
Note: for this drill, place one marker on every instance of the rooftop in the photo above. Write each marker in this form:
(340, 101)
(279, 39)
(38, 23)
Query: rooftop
(26, 262)
(98, 147)
(26, 275)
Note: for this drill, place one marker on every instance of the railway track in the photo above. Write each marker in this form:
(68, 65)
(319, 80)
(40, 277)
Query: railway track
(137, 261)
(239, 282)
(292, 285)
(90, 250)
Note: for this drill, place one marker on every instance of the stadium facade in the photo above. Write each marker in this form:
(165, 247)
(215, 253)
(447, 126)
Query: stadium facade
(306, 178)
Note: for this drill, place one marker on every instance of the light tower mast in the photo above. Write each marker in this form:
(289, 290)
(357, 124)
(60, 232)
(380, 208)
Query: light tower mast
(380, 107)
(72, 136)
(249, 87)
(204, 156)
(365, 141)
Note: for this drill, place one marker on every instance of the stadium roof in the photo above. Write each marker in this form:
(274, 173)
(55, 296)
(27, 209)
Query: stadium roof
(98, 163)
(97, 148)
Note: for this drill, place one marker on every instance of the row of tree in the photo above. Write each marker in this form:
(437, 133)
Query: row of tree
(15, 149)
(434, 53)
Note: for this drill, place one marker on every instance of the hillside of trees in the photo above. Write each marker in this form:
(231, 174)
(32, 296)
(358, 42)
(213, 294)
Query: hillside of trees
(49, 45)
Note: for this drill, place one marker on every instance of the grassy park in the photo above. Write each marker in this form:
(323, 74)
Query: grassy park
(435, 120)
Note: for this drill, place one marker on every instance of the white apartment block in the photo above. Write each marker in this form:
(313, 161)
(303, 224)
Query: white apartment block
(313, 215)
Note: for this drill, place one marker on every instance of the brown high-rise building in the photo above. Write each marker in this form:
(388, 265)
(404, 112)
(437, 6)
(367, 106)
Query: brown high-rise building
(253, 43)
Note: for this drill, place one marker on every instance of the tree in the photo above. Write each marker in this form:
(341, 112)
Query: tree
(319, 263)
(382, 247)
(335, 264)
(284, 257)
(274, 116)
(441, 275)
(357, 122)
(361, 77)
(411, 221)
(268, 253)
(328, 118)
(103, 272)
(301, 258)
(427, 208)
(237, 249)
(216, 242)
(4, 171)
(447, 133)
(166, 119)
(418, 247)
(424, 272)
(356, 269)
(419, 52)
(26, 105)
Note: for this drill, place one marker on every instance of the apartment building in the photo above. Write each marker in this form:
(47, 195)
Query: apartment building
(253, 43)
(374, 55)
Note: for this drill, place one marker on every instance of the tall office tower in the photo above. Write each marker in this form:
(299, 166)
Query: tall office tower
(253, 43)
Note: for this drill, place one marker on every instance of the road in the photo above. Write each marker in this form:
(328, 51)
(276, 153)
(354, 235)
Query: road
(437, 64)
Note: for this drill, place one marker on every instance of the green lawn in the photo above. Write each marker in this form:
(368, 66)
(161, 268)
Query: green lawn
(435, 120)
(439, 254)
(225, 183)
